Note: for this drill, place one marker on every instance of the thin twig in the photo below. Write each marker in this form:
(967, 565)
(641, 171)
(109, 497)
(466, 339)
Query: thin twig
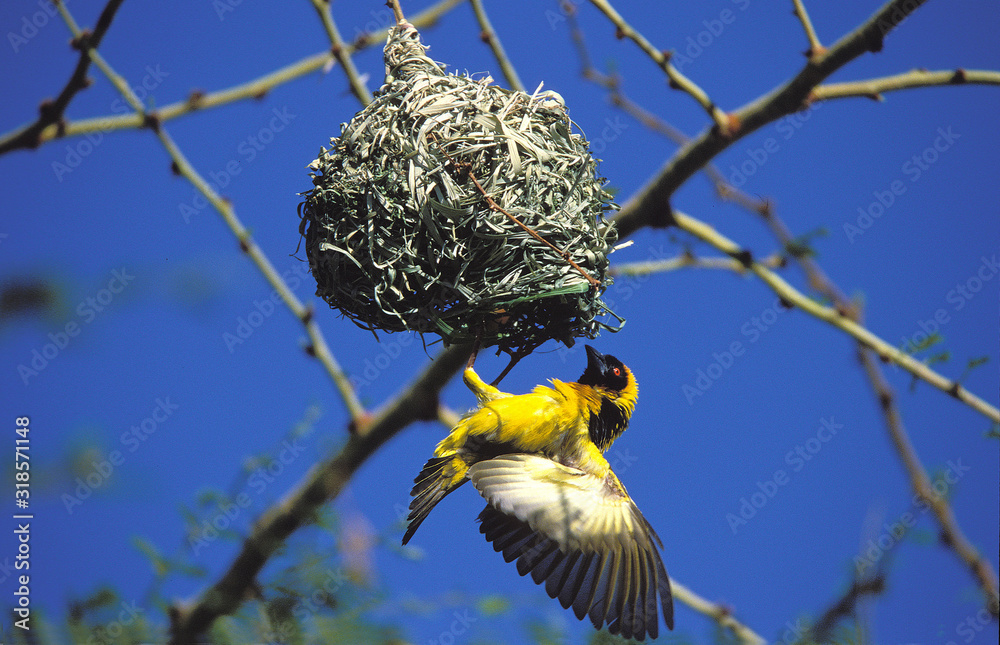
(612, 84)
(527, 229)
(319, 347)
(650, 206)
(489, 36)
(662, 60)
(46, 129)
(831, 315)
(722, 615)
(815, 47)
(951, 534)
(51, 112)
(397, 11)
(874, 88)
(846, 606)
(342, 52)
(688, 260)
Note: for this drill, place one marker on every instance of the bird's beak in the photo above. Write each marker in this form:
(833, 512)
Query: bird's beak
(595, 360)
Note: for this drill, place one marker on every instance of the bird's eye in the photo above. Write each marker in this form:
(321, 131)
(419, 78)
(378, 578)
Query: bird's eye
(616, 371)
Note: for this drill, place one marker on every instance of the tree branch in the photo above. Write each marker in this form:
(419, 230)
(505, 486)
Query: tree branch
(688, 260)
(42, 131)
(845, 606)
(662, 60)
(618, 98)
(722, 615)
(815, 47)
(322, 483)
(951, 534)
(342, 52)
(873, 88)
(50, 113)
(489, 36)
(650, 207)
(319, 347)
(831, 315)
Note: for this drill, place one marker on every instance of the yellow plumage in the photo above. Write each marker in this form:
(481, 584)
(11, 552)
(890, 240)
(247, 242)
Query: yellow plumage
(554, 504)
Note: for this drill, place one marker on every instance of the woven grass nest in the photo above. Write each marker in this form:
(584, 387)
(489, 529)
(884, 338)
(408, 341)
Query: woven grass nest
(399, 236)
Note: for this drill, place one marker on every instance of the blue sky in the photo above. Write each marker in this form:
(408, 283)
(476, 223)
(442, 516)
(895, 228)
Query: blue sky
(141, 381)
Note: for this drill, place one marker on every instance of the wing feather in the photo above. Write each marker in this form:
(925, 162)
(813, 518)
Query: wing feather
(648, 598)
(574, 583)
(605, 589)
(514, 541)
(620, 603)
(547, 565)
(557, 579)
(532, 557)
(580, 535)
(588, 585)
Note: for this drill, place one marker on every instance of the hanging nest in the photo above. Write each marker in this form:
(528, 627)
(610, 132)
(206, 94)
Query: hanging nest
(399, 235)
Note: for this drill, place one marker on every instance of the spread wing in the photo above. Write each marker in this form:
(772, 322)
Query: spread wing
(580, 535)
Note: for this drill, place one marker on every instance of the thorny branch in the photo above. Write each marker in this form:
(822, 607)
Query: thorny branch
(848, 313)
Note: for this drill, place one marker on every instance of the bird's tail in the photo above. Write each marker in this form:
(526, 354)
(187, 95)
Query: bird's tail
(440, 476)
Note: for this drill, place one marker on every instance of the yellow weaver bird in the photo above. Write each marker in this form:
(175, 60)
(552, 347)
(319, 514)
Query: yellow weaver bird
(554, 504)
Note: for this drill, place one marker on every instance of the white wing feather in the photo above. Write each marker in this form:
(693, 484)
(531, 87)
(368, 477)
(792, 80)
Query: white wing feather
(580, 535)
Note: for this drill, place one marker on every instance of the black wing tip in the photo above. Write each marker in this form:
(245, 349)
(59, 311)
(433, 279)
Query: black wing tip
(429, 488)
(666, 594)
(667, 601)
(411, 528)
